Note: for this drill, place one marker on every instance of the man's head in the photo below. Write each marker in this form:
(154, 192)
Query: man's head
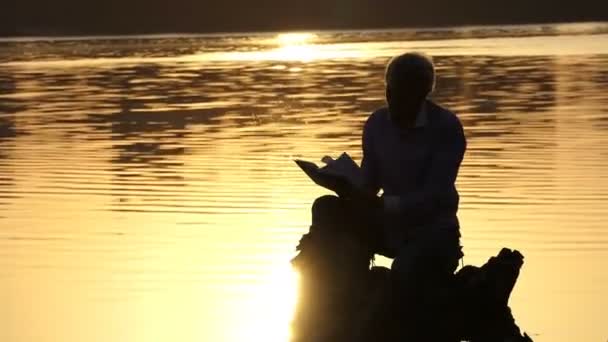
(410, 78)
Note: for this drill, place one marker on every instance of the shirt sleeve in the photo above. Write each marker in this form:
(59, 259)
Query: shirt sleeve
(369, 163)
(439, 182)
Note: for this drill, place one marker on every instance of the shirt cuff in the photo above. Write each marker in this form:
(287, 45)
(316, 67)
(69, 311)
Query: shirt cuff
(391, 203)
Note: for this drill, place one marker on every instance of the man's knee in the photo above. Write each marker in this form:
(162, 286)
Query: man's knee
(328, 210)
(407, 264)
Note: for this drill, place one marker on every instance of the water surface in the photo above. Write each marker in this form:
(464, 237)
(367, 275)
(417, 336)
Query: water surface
(148, 193)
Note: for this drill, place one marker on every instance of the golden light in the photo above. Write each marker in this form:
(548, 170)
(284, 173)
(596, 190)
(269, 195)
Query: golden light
(296, 47)
(302, 53)
(272, 309)
(291, 47)
(295, 38)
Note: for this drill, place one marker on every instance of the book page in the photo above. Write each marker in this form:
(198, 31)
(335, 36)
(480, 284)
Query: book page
(336, 174)
(345, 167)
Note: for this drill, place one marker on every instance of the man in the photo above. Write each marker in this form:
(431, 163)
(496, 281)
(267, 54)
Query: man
(412, 150)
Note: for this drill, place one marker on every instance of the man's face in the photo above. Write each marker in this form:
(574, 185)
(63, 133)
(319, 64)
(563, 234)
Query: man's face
(404, 103)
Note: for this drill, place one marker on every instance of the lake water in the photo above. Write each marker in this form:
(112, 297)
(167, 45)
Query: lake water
(148, 193)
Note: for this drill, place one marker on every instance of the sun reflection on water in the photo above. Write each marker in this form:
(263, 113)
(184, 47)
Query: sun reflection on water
(269, 313)
(294, 47)
(295, 38)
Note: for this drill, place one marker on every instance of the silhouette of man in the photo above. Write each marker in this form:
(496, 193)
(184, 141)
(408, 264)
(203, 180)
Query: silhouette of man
(412, 150)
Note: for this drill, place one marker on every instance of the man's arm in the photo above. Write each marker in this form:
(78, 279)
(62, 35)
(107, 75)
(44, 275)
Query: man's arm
(439, 181)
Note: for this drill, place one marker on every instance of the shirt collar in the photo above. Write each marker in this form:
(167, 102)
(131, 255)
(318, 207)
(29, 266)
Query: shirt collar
(421, 117)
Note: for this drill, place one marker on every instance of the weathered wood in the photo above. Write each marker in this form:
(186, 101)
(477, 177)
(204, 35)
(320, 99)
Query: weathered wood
(342, 298)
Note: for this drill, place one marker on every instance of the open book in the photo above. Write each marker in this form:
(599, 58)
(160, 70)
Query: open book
(337, 175)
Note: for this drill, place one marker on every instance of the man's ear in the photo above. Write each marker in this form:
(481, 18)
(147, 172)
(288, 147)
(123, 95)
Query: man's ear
(388, 94)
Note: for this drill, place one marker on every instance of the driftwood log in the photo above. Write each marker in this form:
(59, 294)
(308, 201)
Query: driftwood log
(343, 297)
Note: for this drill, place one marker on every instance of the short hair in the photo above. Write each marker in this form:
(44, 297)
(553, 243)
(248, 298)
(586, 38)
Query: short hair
(411, 67)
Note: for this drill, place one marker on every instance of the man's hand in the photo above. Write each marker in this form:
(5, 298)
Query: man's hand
(364, 200)
(327, 160)
(361, 198)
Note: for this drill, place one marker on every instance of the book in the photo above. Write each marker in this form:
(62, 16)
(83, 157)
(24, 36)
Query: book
(337, 175)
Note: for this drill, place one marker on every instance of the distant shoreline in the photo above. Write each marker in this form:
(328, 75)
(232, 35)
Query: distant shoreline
(55, 35)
